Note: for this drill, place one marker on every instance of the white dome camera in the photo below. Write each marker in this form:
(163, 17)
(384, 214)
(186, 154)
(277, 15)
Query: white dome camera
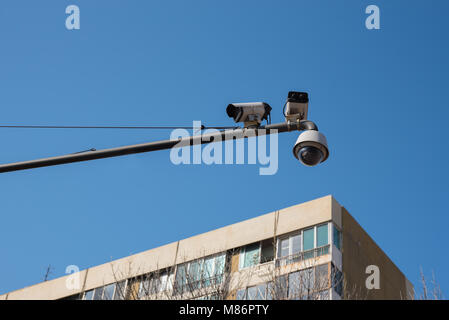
(311, 148)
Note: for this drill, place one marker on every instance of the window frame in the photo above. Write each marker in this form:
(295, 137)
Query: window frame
(263, 295)
(290, 244)
(243, 253)
(334, 228)
(316, 234)
(113, 297)
(202, 277)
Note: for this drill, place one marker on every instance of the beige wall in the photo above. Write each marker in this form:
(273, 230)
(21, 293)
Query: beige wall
(360, 251)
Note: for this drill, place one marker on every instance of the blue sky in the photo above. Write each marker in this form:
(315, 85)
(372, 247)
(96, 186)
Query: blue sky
(380, 96)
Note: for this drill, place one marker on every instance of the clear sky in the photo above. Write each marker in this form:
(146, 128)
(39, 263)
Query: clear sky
(380, 96)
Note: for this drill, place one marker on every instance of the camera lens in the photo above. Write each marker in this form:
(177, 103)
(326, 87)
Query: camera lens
(310, 156)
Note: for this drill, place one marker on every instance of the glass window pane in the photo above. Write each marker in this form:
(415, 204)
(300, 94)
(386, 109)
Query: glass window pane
(88, 295)
(322, 277)
(296, 244)
(120, 290)
(109, 292)
(324, 295)
(163, 279)
(180, 280)
(337, 280)
(252, 293)
(337, 237)
(220, 264)
(284, 247)
(208, 271)
(270, 290)
(240, 294)
(322, 235)
(195, 270)
(293, 285)
(261, 292)
(251, 255)
(267, 251)
(307, 282)
(169, 286)
(144, 288)
(309, 236)
(98, 294)
(280, 287)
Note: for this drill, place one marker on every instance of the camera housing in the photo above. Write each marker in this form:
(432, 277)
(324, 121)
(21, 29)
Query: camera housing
(297, 106)
(311, 148)
(251, 113)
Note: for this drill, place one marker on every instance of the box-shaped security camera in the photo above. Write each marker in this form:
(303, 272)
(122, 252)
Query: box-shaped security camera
(297, 106)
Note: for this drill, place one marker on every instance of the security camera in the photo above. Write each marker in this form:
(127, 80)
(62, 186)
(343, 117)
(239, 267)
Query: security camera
(252, 113)
(311, 148)
(297, 106)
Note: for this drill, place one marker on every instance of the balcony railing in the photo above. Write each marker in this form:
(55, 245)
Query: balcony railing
(300, 256)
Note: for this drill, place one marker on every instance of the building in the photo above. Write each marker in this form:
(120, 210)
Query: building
(313, 250)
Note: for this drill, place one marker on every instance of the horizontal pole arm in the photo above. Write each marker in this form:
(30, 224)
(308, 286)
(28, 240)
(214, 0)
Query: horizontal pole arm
(158, 145)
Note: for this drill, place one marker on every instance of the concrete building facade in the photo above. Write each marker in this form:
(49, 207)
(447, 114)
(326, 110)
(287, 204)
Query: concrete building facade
(313, 250)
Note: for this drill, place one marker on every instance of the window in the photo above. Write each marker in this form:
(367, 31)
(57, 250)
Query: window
(251, 293)
(290, 245)
(208, 268)
(284, 247)
(309, 239)
(337, 280)
(308, 242)
(144, 288)
(195, 273)
(154, 283)
(181, 278)
(279, 287)
(322, 239)
(322, 235)
(307, 282)
(337, 237)
(98, 293)
(322, 276)
(162, 282)
(108, 292)
(250, 255)
(259, 292)
(113, 291)
(293, 285)
(241, 294)
(323, 295)
(219, 268)
(200, 273)
(267, 251)
(295, 242)
(88, 295)
(120, 290)
(305, 244)
(301, 284)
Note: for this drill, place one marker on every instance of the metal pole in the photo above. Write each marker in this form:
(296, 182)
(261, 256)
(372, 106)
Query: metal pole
(158, 145)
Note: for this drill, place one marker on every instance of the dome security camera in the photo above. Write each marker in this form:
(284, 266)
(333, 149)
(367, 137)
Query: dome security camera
(311, 148)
